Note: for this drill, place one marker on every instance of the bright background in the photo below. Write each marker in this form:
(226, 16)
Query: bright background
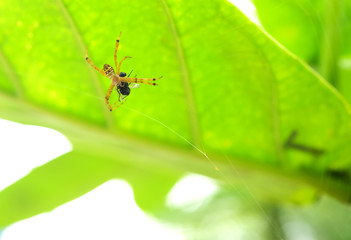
(107, 212)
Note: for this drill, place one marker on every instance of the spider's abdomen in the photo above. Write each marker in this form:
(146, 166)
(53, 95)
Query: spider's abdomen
(109, 71)
(124, 90)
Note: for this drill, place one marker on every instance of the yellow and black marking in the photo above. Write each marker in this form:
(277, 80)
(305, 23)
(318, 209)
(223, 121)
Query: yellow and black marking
(148, 81)
(109, 71)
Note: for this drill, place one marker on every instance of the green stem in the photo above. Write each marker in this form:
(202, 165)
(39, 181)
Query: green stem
(331, 42)
(275, 231)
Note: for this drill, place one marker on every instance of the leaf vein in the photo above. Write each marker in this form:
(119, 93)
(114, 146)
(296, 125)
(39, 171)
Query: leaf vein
(97, 84)
(14, 79)
(193, 119)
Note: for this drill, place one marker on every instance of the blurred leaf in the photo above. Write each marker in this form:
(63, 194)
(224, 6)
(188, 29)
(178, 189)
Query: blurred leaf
(344, 62)
(345, 20)
(316, 31)
(53, 184)
(328, 219)
(228, 88)
(297, 24)
(345, 76)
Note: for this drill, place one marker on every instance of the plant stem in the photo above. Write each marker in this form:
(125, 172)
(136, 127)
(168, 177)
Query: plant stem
(275, 231)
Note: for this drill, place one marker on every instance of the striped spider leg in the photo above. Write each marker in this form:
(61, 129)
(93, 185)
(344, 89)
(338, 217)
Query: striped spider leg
(149, 81)
(120, 80)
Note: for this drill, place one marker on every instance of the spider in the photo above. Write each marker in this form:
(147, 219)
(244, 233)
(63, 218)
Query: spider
(120, 80)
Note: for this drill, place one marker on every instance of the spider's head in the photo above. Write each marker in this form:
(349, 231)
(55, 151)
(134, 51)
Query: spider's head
(109, 70)
(122, 74)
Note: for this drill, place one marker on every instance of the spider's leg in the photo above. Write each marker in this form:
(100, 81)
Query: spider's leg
(149, 81)
(130, 73)
(107, 97)
(120, 63)
(108, 94)
(92, 64)
(119, 96)
(113, 107)
(117, 43)
(120, 99)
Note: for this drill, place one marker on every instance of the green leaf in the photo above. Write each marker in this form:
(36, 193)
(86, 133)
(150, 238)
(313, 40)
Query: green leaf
(297, 24)
(344, 62)
(228, 88)
(316, 31)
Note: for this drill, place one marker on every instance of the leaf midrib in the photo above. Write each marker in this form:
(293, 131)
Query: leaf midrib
(174, 156)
